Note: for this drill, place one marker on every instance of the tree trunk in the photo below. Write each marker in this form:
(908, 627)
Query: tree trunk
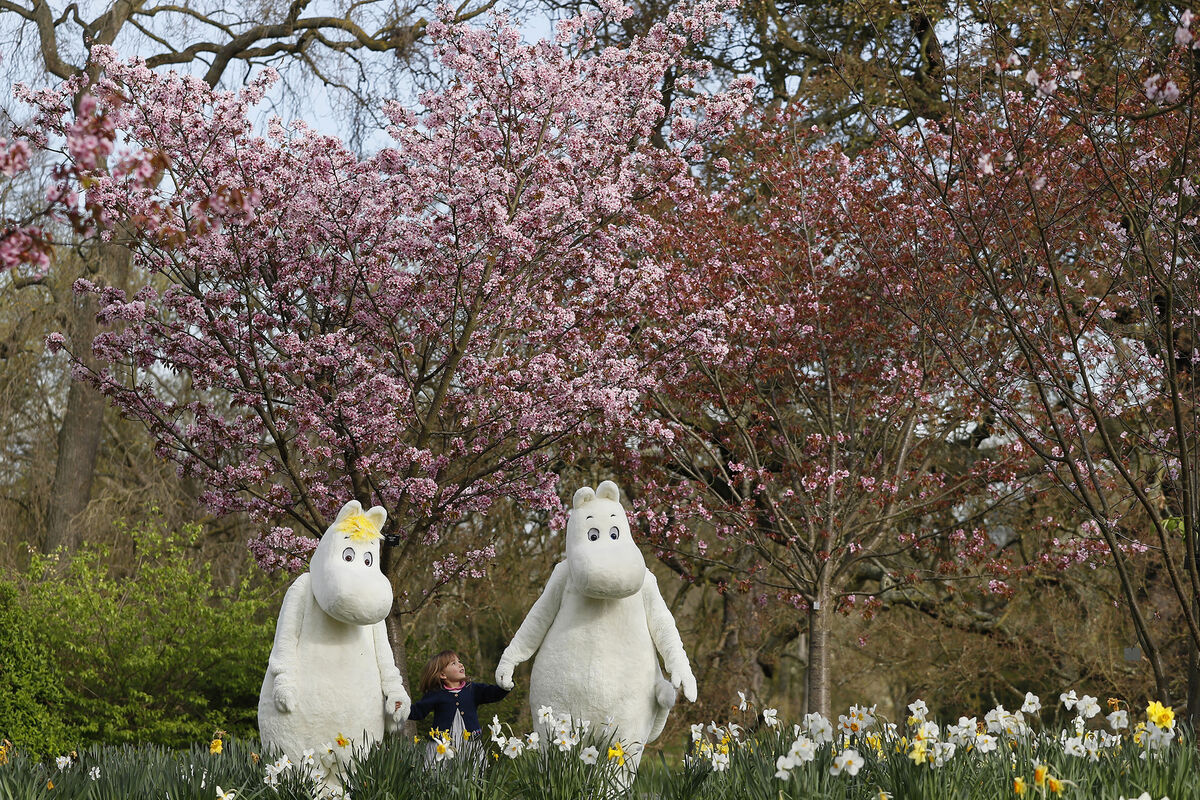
(399, 650)
(820, 618)
(1193, 688)
(78, 440)
(736, 667)
(83, 420)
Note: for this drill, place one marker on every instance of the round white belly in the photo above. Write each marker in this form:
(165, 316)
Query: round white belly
(597, 662)
(338, 689)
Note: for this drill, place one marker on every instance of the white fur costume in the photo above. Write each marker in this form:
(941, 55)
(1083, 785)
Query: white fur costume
(598, 629)
(331, 670)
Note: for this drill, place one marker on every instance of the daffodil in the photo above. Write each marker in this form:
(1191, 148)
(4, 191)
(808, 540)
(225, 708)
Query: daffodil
(589, 755)
(1019, 786)
(1040, 771)
(617, 752)
(1160, 715)
(223, 795)
(847, 761)
(1087, 706)
(215, 746)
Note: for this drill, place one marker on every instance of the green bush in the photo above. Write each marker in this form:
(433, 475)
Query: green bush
(156, 652)
(30, 687)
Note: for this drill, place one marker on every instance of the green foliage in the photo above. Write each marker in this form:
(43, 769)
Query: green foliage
(30, 693)
(159, 653)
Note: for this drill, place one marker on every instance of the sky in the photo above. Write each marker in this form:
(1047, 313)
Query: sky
(297, 96)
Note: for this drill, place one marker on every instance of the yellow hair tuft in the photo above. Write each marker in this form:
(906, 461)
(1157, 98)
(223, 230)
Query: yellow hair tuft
(360, 528)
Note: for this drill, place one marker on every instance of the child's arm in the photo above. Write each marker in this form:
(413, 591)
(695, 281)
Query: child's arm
(489, 693)
(285, 649)
(666, 638)
(423, 706)
(396, 701)
(528, 637)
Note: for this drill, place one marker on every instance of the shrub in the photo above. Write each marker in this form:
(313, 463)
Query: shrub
(159, 653)
(30, 686)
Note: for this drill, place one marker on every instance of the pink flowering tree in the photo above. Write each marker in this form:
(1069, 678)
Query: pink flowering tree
(423, 329)
(1051, 234)
(811, 449)
(22, 242)
(27, 243)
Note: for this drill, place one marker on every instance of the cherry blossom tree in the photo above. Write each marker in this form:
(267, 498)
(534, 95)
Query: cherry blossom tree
(812, 447)
(353, 54)
(419, 329)
(1051, 235)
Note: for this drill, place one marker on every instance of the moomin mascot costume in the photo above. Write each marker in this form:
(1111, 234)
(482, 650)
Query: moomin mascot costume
(598, 630)
(331, 676)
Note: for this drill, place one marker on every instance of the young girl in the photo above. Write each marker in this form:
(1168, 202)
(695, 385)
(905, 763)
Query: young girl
(452, 698)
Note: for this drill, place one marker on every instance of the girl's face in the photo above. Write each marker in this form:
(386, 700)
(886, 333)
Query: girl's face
(454, 672)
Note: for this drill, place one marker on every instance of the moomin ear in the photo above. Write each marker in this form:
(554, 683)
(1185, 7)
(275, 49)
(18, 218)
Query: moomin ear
(583, 496)
(609, 491)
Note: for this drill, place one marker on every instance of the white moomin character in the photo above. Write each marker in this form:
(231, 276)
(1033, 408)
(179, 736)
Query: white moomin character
(331, 677)
(598, 629)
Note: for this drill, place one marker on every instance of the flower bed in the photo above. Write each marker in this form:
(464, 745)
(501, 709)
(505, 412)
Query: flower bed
(860, 756)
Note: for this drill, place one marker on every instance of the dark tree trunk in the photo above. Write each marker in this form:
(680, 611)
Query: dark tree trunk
(82, 425)
(736, 666)
(1193, 688)
(78, 440)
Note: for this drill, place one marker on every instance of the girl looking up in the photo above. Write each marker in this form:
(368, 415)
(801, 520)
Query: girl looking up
(452, 698)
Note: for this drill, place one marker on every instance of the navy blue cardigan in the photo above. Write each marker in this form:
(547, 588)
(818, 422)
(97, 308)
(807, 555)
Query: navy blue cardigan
(443, 703)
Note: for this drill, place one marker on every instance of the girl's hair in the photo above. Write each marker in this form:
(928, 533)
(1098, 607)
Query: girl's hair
(431, 676)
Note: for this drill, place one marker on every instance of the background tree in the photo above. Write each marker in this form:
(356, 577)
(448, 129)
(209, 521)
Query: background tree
(1050, 233)
(811, 430)
(333, 47)
(418, 329)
